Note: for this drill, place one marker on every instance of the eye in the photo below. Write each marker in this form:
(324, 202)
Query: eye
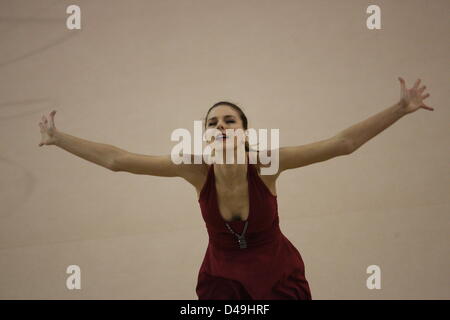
(230, 121)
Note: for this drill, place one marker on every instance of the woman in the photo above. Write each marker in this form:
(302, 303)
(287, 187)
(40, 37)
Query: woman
(247, 256)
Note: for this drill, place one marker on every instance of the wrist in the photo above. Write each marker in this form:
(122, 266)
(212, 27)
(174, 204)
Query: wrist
(57, 135)
(401, 108)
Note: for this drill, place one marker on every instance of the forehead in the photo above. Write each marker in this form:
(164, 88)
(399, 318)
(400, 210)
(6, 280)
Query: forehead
(222, 111)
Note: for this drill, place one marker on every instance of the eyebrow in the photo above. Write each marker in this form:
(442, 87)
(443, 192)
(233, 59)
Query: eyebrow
(227, 116)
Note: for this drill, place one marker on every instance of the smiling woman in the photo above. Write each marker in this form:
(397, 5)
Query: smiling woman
(246, 244)
(248, 257)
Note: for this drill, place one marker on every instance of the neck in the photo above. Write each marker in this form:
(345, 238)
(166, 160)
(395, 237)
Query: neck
(231, 174)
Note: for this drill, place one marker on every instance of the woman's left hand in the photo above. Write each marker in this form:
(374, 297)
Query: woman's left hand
(412, 99)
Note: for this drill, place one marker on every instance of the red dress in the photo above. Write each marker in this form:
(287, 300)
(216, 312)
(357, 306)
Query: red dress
(268, 266)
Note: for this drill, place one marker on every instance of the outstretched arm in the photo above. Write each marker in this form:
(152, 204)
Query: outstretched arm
(299, 156)
(410, 101)
(111, 157)
(350, 139)
(98, 153)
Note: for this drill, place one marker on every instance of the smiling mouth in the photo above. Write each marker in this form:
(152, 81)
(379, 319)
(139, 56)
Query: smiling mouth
(221, 137)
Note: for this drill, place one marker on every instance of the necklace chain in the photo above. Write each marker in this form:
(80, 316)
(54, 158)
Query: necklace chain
(241, 237)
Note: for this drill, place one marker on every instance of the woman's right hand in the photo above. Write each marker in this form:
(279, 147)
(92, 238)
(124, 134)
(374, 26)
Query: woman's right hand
(48, 130)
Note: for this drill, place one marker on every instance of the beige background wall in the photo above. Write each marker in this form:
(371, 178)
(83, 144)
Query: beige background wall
(137, 70)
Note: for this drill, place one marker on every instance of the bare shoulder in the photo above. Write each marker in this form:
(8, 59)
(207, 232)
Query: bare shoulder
(271, 164)
(194, 172)
(269, 179)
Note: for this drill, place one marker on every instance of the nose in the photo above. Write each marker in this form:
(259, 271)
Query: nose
(220, 127)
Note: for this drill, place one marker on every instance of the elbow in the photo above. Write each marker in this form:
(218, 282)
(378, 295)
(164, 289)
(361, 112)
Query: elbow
(348, 146)
(114, 165)
(115, 161)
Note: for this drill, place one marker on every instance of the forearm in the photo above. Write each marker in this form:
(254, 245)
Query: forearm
(363, 131)
(99, 153)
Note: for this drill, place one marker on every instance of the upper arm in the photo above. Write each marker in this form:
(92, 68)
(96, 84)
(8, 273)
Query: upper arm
(155, 165)
(299, 156)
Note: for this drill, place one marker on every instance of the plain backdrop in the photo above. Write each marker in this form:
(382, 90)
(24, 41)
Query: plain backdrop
(137, 70)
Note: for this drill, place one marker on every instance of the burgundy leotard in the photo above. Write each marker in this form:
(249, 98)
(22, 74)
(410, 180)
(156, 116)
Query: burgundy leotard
(268, 267)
